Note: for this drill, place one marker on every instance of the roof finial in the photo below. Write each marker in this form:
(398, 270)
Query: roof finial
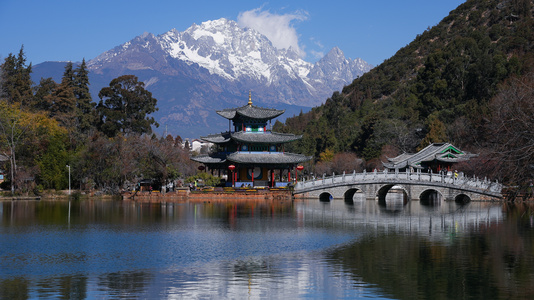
(249, 98)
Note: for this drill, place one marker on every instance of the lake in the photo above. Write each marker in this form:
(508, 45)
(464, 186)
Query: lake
(103, 249)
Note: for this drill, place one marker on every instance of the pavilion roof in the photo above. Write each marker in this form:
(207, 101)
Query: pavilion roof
(251, 137)
(252, 158)
(267, 158)
(217, 138)
(250, 111)
(215, 158)
(443, 152)
(265, 137)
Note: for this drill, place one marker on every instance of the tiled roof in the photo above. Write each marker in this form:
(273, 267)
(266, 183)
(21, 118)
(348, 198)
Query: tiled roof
(218, 138)
(250, 111)
(443, 152)
(215, 158)
(277, 159)
(267, 158)
(265, 137)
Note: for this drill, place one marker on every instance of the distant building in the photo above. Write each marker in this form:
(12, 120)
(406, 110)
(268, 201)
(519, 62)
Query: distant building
(435, 157)
(196, 145)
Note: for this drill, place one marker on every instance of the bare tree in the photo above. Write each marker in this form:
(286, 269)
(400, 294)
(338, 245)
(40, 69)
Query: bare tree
(11, 134)
(346, 162)
(511, 130)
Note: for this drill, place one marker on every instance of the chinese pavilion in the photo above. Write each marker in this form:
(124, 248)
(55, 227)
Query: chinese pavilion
(248, 151)
(434, 157)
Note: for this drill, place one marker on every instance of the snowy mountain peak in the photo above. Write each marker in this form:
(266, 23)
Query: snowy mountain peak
(222, 52)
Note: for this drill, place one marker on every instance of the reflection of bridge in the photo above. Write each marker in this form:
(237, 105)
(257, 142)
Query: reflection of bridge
(435, 221)
(414, 185)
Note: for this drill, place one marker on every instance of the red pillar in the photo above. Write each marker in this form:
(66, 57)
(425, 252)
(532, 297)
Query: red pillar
(288, 175)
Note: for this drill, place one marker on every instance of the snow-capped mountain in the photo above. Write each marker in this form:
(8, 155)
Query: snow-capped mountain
(215, 64)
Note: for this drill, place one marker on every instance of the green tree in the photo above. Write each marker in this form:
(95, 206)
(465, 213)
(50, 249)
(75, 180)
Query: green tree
(63, 107)
(52, 158)
(16, 83)
(124, 107)
(436, 132)
(85, 116)
(44, 94)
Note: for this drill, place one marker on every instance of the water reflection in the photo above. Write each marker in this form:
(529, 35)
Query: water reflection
(300, 249)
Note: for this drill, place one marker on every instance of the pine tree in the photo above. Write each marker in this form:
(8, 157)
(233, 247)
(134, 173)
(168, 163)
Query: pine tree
(63, 106)
(16, 80)
(44, 94)
(84, 105)
(124, 107)
(436, 132)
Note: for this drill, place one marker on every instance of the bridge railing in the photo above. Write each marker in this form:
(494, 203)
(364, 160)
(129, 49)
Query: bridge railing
(471, 183)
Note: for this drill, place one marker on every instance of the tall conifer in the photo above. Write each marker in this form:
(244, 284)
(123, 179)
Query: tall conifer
(16, 80)
(84, 104)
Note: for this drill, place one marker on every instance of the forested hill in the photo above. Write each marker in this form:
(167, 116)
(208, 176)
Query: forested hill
(438, 88)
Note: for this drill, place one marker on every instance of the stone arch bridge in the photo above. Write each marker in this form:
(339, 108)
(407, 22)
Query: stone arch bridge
(414, 185)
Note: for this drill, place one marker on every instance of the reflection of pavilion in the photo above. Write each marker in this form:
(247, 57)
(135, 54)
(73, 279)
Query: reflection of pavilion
(250, 151)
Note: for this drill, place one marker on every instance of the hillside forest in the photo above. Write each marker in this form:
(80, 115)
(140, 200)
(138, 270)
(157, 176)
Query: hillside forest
(50, 129)
(469, 81)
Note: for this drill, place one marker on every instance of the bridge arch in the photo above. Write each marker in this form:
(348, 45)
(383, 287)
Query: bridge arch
(325, 197)
(382, 192)
(349, 194)
(462, 199)
(430, 197)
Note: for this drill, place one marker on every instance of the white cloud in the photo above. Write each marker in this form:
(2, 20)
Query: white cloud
(277, 28)
(317, 54)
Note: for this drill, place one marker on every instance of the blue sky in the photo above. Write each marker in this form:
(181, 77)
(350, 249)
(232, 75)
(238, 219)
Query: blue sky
(55, 30)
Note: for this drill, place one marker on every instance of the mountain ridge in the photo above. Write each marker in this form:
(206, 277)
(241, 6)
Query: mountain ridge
(214, 65)
(437, 88)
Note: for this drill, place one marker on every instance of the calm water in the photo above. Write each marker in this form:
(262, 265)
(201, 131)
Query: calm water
(301, 249)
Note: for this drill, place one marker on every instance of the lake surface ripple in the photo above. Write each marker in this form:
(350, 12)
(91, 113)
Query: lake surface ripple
(101, 249)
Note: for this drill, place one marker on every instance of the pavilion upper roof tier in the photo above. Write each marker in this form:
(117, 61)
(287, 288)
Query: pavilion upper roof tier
(250, 111)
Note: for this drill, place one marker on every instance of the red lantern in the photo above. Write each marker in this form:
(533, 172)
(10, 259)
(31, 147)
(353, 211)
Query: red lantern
(299, 168)
(232, 168)
(201, 168)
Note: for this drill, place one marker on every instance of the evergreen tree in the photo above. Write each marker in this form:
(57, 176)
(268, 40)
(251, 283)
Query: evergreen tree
(63, 106)
(436, 132)
(43, 98)
(124, 107)
(84, 105)
(16, 80)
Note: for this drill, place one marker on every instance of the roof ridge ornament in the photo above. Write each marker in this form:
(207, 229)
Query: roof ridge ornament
(249, 98)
